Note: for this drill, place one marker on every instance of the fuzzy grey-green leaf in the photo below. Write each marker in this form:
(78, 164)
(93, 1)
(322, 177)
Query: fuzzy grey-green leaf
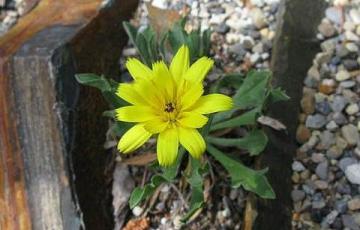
(241, 175)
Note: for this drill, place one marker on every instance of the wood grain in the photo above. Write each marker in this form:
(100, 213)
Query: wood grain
(294, 49)
(51, 158)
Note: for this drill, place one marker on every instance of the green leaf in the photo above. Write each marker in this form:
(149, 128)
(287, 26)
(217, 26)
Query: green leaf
(206, 43)
(109, 113)
(140, 194)
(131, 32)
(241, 175)
(253, 90)
(248, 118)
(151, 43)
(142, 47)
(113, 99)
(255, 142)
(228, 81)
(196, 182)
(193, 42)
(119, 128)
(107, 87)
(177, 36)
(169, 173)
(162, 44)
(277, 95)
(93, 80)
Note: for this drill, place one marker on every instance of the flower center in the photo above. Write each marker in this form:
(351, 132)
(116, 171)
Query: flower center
(169, 107)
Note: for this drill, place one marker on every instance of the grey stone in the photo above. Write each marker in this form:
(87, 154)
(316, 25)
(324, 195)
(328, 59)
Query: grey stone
(327, 139)
(340, 142)
(322, 170)
(341, 206)
(334, 15)
(350, 64)
(308, 190)
(352, 173)
(328, 46)
(258, 18)
(355, 15)
(318, 157)
(343, 188)
(255, 57)
(350, 134)
(341, 51)
(330, 218)
(327, 29)
(334, 152)
(323, 57)
(315, 121)
(162, 4)
(339, 118)
(349, 222)
(350, 36)
(258, 48)
(258, 3)
(352, 47)
(234, 193)
(238, 50)
(339, 103)
(297, 195)
(342, 75)
(320, 184)
(222, 28)
(345, 162)
(332, 126)
(352, 109)
(318, 204)
(323, 107)
(248, 42)
(297, 166)
(356, 217)
(347, 84)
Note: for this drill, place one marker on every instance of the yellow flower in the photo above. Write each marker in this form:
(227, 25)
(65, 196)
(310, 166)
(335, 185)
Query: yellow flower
(168, 102)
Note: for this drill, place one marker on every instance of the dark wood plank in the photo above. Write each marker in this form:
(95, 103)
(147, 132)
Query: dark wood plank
(295, 46)
(52, 164)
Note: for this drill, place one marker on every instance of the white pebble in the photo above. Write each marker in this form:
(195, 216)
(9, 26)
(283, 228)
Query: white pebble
(137, 211)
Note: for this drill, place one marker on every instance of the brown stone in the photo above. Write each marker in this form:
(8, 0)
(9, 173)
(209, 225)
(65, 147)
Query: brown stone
(308, 104)
(302, 134)
(302, 118)
(326, 89)
(354, 204)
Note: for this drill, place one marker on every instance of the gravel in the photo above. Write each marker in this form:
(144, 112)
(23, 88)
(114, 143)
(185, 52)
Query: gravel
(330, 153)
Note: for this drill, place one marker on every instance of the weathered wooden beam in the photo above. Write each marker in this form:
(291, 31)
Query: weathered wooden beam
(52, 165)
(294, 49)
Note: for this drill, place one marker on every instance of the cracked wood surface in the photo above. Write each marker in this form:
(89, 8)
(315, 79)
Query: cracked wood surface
(51, 158)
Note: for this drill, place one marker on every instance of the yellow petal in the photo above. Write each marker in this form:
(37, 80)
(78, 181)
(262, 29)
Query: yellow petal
(156, 125)
(137, 69)
(180, 63)
(192, 141)
(167, 147)
(127, 92)
(191, 95)
(149, 92)
(135, 113)
(133, 139)
(163, 79)
(198, 70)
(192, 120)
(212, 103)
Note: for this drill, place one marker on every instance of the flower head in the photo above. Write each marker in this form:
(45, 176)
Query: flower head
(168, 102)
